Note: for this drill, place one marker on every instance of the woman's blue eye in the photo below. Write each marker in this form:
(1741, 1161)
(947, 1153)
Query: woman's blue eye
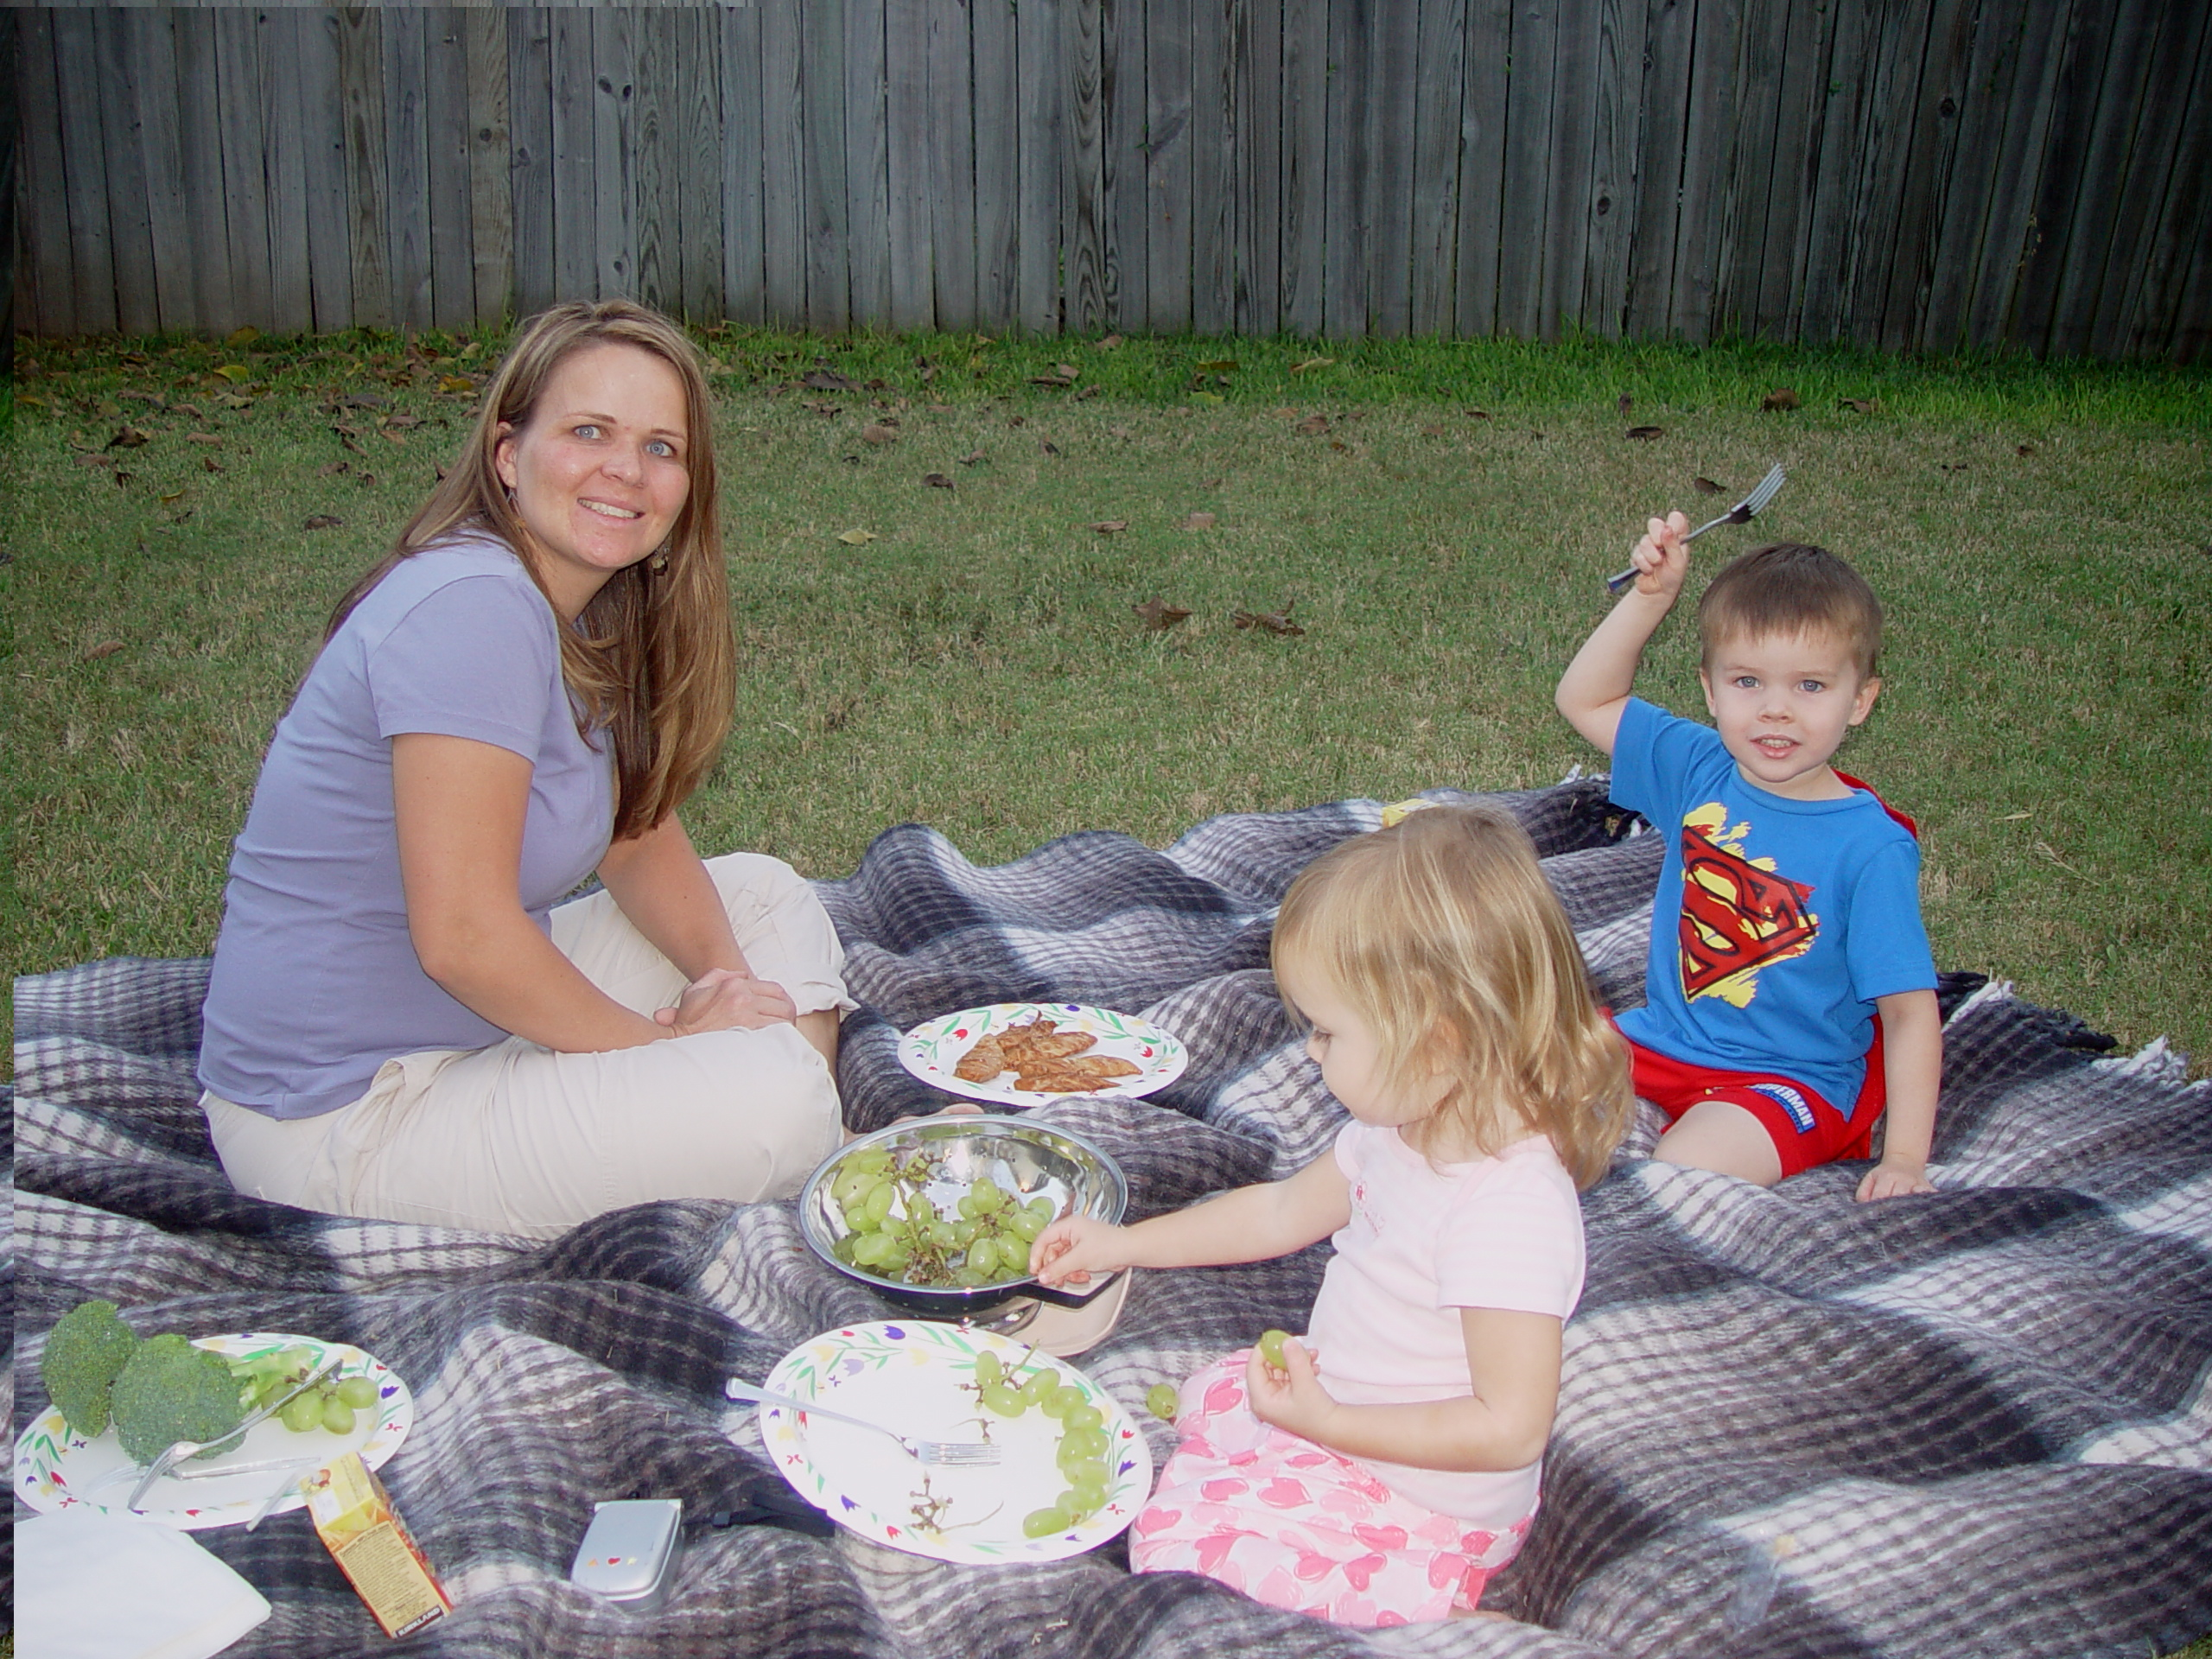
(587, 430)
(661, 447)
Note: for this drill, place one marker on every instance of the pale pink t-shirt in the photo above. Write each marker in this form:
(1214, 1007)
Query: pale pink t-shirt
(1424, 1240)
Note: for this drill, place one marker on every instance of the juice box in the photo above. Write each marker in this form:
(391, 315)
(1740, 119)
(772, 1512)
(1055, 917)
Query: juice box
(353, 1516)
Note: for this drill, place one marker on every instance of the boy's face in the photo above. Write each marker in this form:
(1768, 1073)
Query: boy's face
(1781, 703)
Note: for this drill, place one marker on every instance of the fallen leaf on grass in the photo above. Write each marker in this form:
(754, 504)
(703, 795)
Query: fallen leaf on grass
(1219, 366)
(973, 458)
(1432, 431)
(403, 422)
(938, 409)
(1705, 485)
(240, 337)
(361, 400)
(1158, 615)
(96, 461)
(2024, 448)
(1311, 363)
(2010, 817)
(829, 380)
(143, 397)
(1862, 406)
(936, 480)
(127, 437)
(1109, 342)
(122, 479)
(456, 383)
(330, 467)
(1199, 521)
(856, 538)
(236, 373)
(209, 464)
(1016, 420)
(1781, 398)
(1278, 623)
(825, 407)
(323, 521)
(105, 648)
(203, 437)
(367, 480)
(1949, 466)
(1314, 425)
(1049, 447)
(175, 496)
(1627, 403)
(1647, 434)
(1110, 526)
(875, 432)
(1086, 394)
(1063, 376)
(1477, 413)
(1338, 443)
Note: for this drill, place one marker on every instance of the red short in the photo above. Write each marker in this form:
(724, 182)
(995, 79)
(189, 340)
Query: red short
(1805, 1129)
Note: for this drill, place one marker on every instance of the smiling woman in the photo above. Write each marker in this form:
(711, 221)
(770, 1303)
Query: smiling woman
(403, 1021)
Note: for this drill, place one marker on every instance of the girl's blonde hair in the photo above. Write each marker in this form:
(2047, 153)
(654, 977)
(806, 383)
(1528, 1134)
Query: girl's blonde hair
(1442, 935)
(651, 659)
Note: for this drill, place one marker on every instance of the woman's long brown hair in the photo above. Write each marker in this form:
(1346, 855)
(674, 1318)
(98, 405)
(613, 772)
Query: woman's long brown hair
(651, 660)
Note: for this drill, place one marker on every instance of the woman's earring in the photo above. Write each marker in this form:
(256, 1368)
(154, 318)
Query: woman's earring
(660, 559)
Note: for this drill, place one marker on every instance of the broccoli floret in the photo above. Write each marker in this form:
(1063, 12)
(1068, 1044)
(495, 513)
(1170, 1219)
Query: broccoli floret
(171, 1391)
(85, 1352)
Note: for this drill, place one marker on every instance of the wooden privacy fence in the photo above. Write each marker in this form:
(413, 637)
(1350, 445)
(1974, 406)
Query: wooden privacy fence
(1908, 173)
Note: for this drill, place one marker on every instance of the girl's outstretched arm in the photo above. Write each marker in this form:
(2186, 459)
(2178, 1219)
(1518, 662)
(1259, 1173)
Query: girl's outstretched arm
(1514, 1360)
(1252, 1223)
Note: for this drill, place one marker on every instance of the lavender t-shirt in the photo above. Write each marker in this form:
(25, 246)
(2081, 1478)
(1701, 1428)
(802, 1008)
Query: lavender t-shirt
(316, 982)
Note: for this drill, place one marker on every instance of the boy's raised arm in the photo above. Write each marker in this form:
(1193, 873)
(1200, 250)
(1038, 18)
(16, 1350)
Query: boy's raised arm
(1597, 682)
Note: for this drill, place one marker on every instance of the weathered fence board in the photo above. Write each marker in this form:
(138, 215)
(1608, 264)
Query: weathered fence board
(284, 140)
(1925, 175)
(951, 186)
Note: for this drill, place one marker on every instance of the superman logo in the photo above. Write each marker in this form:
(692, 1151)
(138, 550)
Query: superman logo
(1738, 915)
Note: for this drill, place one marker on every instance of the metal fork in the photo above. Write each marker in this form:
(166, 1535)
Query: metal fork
(184, 1449)
(1742, 513)
(952, 1453)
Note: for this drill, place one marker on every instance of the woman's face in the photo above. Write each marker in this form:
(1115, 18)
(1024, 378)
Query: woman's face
(601, 470)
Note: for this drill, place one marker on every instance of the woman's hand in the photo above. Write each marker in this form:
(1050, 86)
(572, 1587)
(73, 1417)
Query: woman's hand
(723, 999)
(1075, 1247)
(1292, 1398)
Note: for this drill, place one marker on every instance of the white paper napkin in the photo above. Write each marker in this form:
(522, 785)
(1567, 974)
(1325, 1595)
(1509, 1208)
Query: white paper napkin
(92, 1586)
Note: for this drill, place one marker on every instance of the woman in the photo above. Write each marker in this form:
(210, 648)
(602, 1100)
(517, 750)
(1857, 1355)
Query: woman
(401, 1023)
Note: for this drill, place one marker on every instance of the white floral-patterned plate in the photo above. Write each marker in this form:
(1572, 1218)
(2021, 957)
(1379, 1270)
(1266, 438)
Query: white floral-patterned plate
(57, 1468)
(932, 1049)
(911, 1376)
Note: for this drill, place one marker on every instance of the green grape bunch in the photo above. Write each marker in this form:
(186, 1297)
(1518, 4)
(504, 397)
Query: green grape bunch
(894, 1229)
(329, 1404)
(1084, 1453)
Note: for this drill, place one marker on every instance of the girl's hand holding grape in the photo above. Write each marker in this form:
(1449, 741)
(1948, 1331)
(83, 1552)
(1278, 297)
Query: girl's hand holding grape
(1289, 1396)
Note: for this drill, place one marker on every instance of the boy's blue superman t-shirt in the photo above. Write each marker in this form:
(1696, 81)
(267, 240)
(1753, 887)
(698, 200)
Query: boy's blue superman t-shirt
(1778, 921)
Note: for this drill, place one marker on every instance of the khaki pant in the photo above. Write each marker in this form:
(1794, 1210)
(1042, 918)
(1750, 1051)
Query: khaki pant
(518, 1139)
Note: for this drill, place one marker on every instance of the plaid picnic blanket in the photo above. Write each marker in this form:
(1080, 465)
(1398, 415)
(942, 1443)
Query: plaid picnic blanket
(1790, 1425)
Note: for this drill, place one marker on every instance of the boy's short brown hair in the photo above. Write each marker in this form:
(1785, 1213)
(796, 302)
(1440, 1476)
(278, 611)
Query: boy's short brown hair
(1787, 588)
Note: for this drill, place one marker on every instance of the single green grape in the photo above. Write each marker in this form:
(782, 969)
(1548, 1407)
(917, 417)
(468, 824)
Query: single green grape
(1083, 1416)
(301, 1413)
(1037, 1385)
(1024, 1226)
(359, 1392)
(1085, 1442)
(984, 1256)
(987, 1195)
(990, 1368)
(1006, 1401)
(1271, 1343)
(1162, 1401)
(1088, 1488)
(337, 1415)
(1043, 1523)
(877, 1205)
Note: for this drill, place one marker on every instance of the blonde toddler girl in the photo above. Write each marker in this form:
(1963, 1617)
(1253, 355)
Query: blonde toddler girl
(1389, 1464)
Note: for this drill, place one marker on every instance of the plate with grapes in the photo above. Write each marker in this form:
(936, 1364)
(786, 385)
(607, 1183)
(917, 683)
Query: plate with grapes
(1137, 1057)
(57, 1468)
(921, 1378)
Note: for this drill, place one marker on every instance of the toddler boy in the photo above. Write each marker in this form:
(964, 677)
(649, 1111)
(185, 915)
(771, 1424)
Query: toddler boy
(1788, 917)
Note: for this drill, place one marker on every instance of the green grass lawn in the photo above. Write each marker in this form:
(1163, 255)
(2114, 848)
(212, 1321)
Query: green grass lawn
(2041, 536)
